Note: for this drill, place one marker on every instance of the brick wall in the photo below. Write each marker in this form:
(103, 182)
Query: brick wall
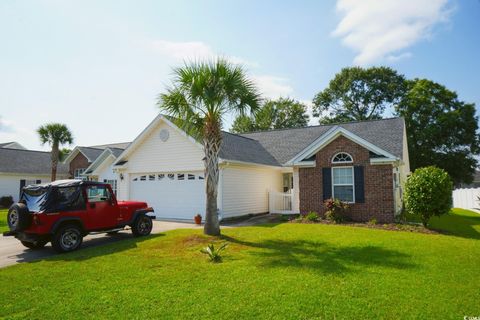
(379, 200)
(79, 162)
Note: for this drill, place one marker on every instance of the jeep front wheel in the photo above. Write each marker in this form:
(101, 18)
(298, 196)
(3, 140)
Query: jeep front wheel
(142, 226)
(67, 238)
(39, 244)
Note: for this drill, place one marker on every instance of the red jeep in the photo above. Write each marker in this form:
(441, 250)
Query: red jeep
(65, 211)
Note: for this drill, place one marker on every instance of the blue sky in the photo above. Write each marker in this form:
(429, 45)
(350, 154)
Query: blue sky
(99, 65)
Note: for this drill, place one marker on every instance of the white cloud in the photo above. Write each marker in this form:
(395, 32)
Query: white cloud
(381, 29)
(6, 126)
(11, 131)
(273, 87)
(193, 50)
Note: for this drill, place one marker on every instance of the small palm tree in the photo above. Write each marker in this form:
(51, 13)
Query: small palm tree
(55, 134)
(201, 95)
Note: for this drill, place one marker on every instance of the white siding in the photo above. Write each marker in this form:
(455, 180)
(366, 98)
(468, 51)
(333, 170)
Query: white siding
(10, 183)
(152, 155)
(105, 170)
(123, 186)
(245, 189)
(178, 153)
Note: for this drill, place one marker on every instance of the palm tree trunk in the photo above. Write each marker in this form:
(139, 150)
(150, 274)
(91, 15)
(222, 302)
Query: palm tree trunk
(211, 145)
(54, 157)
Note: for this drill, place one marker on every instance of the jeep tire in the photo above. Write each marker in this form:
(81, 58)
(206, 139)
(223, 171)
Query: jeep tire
(18, 217)
(39, 244)
(67, 238)
(142, 226)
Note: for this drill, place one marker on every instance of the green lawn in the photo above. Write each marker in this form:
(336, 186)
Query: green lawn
(289, 271)
(3, 220)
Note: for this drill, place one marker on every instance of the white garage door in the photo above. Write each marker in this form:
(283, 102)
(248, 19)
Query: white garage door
(179, 195)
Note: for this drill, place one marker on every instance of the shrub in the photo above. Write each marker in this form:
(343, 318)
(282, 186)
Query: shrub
(372, 222)
(311, 216)
(428, 192)
(214, 254)
(336, 210)
(6, 201)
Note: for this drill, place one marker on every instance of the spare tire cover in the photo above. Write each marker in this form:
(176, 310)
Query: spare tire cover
(18, 217)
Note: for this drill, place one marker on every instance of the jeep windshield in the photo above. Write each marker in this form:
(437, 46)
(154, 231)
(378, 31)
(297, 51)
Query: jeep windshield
(51, 199)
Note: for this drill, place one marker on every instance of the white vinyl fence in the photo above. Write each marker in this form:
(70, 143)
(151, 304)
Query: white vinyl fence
(466, 198)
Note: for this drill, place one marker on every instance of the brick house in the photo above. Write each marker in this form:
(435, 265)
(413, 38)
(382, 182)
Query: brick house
(80, 160)
(287, 171)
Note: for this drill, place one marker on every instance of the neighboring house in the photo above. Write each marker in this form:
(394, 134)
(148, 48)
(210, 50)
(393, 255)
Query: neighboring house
(102, 168)
(475, 183)
(12, 145)
(19, 167)
(81, 158)
(278, 171)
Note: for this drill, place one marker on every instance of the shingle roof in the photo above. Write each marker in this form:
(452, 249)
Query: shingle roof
(238, 148)
(116, 151)
(93, 152)
(3, 144)
(120, 145)
(276, 147)
(90, 153)
(28, 161)
(476, 176)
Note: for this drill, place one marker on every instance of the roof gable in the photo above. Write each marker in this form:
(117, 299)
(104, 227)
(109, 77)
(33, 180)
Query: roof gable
(330, 136)
(285, 144)
(147, 131)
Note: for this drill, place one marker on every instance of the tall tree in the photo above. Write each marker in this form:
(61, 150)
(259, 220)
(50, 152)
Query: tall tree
(274, 114)
(55, 134)
(441, 129)
(359, 94)
(201, 95)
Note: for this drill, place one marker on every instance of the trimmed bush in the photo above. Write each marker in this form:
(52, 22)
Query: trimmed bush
(311, 216)
(336, 210)
(428, 192)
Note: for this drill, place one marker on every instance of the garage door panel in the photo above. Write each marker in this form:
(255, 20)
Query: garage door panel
(172, 195)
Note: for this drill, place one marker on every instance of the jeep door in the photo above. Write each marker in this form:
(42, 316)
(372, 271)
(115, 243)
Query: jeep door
(102, 210)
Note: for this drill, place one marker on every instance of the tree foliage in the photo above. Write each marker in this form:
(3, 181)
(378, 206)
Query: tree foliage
(274, 114)
(55, 134)
(428, 193)
(441, 129)
(201, 95)
(358, 94)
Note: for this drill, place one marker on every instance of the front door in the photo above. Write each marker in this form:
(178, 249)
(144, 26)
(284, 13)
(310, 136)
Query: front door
(101, 210)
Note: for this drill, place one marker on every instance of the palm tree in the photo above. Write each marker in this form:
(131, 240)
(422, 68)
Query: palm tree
(55, 134)
(201, 95)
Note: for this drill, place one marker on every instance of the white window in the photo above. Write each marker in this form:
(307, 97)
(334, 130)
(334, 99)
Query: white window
(342, 157)
(78, 174)
(343, 184)
(113, 184)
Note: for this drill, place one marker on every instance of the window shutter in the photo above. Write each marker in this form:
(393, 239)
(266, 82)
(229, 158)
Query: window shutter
(22, 184)
(327, 183)
(39, 181)
(359, 184)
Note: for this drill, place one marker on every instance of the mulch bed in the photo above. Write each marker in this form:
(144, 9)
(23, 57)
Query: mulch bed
(387, 226)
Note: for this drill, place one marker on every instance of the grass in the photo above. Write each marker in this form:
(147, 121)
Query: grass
(458, 222)
(3, 220)
(271, 271)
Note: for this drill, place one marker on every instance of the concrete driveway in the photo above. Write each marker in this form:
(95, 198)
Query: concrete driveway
(12, 251)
